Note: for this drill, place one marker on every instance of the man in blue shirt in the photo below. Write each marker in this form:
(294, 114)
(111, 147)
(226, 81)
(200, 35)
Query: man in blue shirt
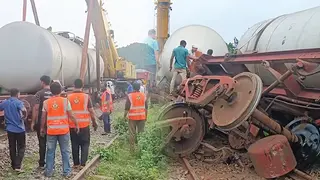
(181, 56)
(130, 88)
(13, 109)
(153, 55)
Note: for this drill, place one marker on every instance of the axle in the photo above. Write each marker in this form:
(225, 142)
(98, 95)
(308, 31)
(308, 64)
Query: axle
(234, 105)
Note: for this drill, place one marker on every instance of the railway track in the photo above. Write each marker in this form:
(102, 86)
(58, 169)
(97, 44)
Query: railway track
(192, 173)
(92, 163)
(195, 173)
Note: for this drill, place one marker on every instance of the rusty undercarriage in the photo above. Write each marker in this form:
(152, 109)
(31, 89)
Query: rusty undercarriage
(277, 123)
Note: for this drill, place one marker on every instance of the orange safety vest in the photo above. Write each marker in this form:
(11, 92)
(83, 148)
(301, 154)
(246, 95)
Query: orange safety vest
(57, 117)
(79, 104)
(138, 106)
(104, 107)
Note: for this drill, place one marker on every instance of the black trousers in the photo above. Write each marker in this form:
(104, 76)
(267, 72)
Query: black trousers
(80, 141)
(17, 147)
(42, 147)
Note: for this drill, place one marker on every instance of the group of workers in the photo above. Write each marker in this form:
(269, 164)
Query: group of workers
(58, 118)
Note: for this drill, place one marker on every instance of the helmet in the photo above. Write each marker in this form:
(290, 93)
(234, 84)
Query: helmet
(109, 83)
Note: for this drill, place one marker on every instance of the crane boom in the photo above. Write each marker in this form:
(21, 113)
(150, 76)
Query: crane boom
(101, 30)
(163, 16)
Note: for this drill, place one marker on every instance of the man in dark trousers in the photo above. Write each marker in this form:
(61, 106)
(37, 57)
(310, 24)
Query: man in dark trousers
(82, 109)
(13, 109)
(56, 114)
(136, 111)
(40, 97)
(106, 109)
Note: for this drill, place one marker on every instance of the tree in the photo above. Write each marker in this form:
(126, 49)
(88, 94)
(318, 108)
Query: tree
(231, 48)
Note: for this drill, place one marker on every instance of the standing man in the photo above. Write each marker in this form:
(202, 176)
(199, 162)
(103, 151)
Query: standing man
(194, 55)
(153, 56)
(180, 54)
(15, 128)
(142, 88)
(136, 111)
(82, 109)
(106, 108)
(40, 97)
(130, 88)
(192, 52)
(56, 113)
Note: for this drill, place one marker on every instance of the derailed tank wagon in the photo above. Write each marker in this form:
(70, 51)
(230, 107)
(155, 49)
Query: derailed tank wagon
(269, 88)
(29, 51)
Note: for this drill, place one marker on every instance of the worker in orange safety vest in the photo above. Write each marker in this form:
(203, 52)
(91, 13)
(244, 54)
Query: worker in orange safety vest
(56, 113)
(136, 109)
(82, 108)
(106, 108)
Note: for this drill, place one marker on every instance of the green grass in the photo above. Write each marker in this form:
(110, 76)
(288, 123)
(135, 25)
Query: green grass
(146, 163)
(28, 168)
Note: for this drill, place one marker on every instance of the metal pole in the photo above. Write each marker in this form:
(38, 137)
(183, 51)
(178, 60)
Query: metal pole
(98, 64)
(277, 82)
(273, 125)
(83, 68)
(35, 13)
(88, 67)
(24, 10)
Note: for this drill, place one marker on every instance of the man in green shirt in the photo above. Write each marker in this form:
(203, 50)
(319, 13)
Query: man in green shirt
(180, 54)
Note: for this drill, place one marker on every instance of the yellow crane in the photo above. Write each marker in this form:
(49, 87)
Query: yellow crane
(104, 36)
(104, 43)
(163, 8)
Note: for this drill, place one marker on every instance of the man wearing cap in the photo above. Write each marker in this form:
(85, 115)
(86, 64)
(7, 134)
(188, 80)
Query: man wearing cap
(194, 55)
(192, 52)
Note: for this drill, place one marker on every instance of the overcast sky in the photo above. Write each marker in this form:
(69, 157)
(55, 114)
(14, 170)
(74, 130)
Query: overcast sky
(132, 19)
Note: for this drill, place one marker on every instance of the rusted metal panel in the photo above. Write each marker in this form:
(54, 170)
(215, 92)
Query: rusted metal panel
(312, 55)
(271, 62)
(272, 156)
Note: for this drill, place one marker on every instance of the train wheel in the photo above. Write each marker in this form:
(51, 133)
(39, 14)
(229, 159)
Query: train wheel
(184, 127)
(308, 150)
(228, 115)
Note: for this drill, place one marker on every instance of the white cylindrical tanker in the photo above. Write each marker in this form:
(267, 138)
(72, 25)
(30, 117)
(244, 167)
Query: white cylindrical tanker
(28, 51)
(201, 36)
(300, 30)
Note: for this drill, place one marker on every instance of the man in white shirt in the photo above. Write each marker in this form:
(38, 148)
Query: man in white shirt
(142, 89)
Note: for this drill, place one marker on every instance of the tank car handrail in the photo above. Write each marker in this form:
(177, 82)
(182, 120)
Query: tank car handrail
(291, 56)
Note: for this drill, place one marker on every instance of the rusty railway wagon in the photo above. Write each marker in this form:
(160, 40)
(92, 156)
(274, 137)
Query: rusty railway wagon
(265, 98)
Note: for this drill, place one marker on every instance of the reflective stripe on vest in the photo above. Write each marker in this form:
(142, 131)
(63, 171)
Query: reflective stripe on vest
(104, 106)
(137, 109)
(57, 118)
(79, 104)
